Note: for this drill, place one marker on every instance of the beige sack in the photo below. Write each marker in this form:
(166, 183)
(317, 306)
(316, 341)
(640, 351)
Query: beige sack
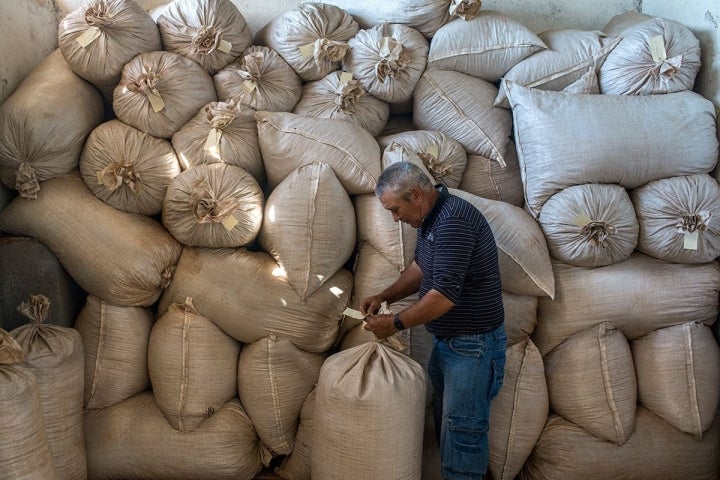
(311, 37)
(341, 97)
(289, 141)
(42, 132)
(100, 37)
(133, 440)
(296, 465)
(54, 355)
(24, 450)
(485, 47)
(115, 341)
(370, 400)
(192, 365)
(259, 79)
(128, 169)
(274, 378)
(590, 225)
(462, 107)
(483, 177)
(248, 297)
(215, 206)
(678, 372)
(309, 227)
(679, 218)
(121, 258)
(160, 91)
(662, 294)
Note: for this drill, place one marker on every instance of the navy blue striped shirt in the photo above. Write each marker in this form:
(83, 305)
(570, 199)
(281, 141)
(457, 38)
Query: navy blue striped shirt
(457, 254)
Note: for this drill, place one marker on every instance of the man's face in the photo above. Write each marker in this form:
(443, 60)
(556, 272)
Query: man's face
(407, 211)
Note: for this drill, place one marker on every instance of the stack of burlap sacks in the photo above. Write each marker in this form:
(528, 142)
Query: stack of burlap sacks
(221, 217)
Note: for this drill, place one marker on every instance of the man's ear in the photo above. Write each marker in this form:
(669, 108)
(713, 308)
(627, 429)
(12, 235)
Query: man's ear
(415, 194)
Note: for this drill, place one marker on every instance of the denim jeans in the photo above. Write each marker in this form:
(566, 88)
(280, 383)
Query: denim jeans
(466, 372)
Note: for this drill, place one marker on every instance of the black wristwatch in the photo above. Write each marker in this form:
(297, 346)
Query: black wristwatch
(398, 324)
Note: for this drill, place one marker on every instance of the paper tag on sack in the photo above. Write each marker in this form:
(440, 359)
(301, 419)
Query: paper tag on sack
(582, 219)
(656, 45)
(156, 101)
(308, 50)
(385, 46)
(248, 86)
(229, 222)
(690, 240)
(88, 36)
(100, 177)
(225, 46)
(433, 150)
(345, 77)
(352, 313)
(212, 143)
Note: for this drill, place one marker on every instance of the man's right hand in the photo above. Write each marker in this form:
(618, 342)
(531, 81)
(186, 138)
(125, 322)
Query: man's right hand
(371, 305)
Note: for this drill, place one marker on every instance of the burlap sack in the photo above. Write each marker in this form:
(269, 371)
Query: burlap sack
(24, 450)
(567, 139)
(519, 412)
(160, 91)
(289, 141)
(591, 382)
(211, 32)
(121, 258)
(42, 132)
(311, 37)
(309, 227)
(100, 37)
(296, 465)
(128, 169)
(483, 177)
(248, 297)
(590, 225)
(662, 294)
(653, 57)
(655, 450)
(192, 365)
(274, 378)
(678, 371)
(115, 341)
(571, 54)
(260, 79)
(388, 60)
(133, 440)
(214, 206)
(370, 400)
(485, 47)
(341, 97)
(679, 218)
(54, 355)
(461, 106)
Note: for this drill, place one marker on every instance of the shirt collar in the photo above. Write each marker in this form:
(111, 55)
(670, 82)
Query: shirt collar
(443, 195)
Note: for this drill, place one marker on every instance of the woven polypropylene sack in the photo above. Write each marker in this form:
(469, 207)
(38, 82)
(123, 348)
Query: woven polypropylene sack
(42, 132)
(211, 32)
(485, 178)
(296, 466)
(128, 169)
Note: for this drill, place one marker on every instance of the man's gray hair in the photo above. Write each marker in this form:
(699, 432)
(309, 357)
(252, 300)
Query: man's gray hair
(400, 177)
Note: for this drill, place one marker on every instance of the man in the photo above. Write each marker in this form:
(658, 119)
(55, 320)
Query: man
(456, 272)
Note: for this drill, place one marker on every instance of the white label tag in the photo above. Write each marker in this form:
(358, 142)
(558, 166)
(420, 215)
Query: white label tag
(307, 50)
(212, 143)
(156, 101)
(225, 46)
(385, 46)
(433, 150)
(248, 86)
(100, 177)
(656, 45)
(352, 313)
(88, 36)
(582, 219)
(345, 77)
(229, 222)
(690, 240)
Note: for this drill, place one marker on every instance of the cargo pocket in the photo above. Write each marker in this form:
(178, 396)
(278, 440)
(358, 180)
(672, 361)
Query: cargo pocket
(466, 445)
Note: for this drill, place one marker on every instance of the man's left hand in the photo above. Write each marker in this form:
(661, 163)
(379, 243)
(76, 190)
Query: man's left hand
(381, 325)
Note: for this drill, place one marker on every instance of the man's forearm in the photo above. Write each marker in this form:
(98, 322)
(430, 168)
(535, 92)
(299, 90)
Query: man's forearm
(407, 284)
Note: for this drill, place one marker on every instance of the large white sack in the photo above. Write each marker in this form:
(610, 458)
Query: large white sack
(98, 38)
(678, 374)
(42, 132)
(122, 258)
(341, 97)
(679, 218)
(214, 206)
(311, 37)
(571, 54)
(388, 60)
(260, 79)
(128, 169)
(369, 400)
(590, 225)
(160, 91)
(115, 342)
(486, 178)
(661, 294)
(133, 440)
(462, 107)
(211, 32)
(566, 139)
(296, 465)
(485, 47)
(24, 450)
(274, 378)
(653, 57)
(246, 294)
(289, 141)
(309, 227)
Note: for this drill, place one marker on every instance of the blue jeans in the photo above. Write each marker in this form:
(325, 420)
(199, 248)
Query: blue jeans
(466, 372)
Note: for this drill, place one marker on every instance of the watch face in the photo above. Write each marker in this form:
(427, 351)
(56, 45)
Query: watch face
(398, 324)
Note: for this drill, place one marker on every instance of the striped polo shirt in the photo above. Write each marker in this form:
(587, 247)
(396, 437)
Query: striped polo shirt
(457, 254)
